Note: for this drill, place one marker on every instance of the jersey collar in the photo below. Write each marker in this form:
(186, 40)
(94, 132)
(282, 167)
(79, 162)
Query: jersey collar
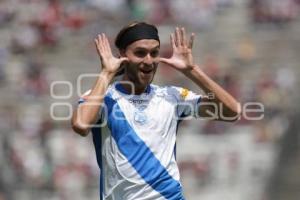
(121, 89)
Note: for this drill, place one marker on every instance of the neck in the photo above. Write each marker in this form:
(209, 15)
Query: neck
(137, 90)
(128, 87)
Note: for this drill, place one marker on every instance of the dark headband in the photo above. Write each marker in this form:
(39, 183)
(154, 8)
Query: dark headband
(138, 32)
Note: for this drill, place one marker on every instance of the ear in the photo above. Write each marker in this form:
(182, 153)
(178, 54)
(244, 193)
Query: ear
(122, 52)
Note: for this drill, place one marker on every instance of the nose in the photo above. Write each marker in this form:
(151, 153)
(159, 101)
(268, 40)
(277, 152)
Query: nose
(148, 60)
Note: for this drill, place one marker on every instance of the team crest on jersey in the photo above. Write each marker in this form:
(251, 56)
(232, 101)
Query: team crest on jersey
(140, 116)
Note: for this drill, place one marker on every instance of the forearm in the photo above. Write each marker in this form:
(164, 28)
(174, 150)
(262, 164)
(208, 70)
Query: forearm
(214, 91)
(87, 113)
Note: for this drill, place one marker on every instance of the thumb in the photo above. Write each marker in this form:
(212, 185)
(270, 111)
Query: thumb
(165, 60)
(124, 59)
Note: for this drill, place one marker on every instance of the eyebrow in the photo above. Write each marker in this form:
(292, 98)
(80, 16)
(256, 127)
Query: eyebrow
(143, 48)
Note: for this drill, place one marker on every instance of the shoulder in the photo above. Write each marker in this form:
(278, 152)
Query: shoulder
(85, 95)
(169, 91)
(177, 93)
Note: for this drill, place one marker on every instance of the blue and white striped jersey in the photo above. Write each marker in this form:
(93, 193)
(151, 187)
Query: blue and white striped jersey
(137, 156)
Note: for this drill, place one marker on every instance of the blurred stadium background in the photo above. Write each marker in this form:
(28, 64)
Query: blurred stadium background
(250, 47)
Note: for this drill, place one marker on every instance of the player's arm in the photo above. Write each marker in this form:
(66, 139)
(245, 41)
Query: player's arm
(217, 104)
(222, 103)
(87, 113)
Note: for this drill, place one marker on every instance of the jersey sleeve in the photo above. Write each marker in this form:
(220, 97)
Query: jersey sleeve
(83, 97)
(187, 102)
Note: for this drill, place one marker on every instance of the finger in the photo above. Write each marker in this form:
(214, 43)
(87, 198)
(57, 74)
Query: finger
(172, 41)
(97, 43)
(177, 37)
(107, 44)
(183, 36)
(103, 38)
(100, 43)
(191, 42)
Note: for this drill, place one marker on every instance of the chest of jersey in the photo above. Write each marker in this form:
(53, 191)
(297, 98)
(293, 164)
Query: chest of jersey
(154, 114)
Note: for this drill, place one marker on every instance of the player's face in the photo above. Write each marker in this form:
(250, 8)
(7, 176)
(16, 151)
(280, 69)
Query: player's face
(143, 58)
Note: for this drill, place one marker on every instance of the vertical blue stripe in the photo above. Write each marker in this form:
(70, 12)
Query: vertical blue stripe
(139, 155)
(97, 140)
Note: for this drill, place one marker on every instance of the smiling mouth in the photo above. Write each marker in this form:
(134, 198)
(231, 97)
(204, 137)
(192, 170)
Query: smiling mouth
(146, 71)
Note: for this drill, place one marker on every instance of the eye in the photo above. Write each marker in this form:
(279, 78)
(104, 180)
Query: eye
(140, 53)
(154, 53)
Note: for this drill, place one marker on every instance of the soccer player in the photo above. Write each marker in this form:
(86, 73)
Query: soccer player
(137, 156)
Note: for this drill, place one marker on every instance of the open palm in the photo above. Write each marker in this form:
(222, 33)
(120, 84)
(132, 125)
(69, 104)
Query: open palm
(109, 62)
(182, 58)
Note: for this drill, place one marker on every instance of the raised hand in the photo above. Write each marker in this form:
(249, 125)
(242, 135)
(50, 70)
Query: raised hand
(182, 58)
(109, 63)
